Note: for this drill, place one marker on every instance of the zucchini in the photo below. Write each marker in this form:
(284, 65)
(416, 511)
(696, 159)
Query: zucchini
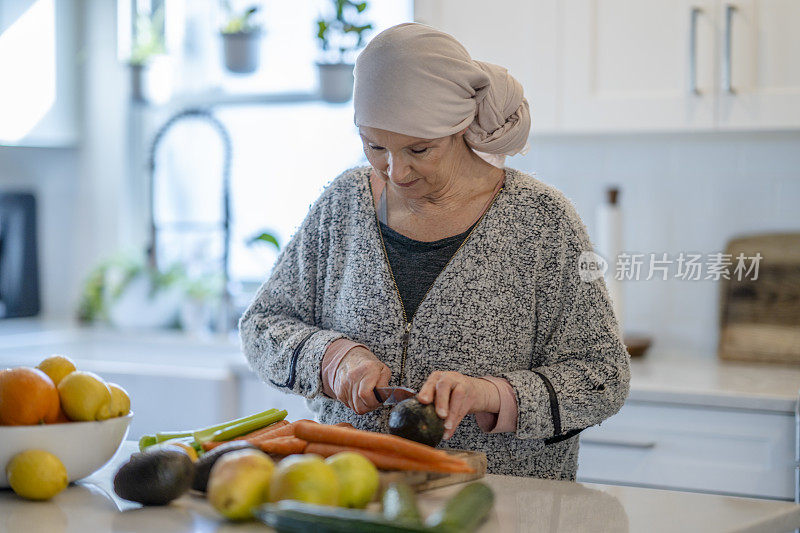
(290, 516)
(464, 512)
(400, 505)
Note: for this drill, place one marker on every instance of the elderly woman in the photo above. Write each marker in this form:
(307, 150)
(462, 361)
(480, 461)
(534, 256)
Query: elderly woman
(433, 269)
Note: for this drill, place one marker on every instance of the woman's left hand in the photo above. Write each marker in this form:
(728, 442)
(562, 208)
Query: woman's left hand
(455, 395)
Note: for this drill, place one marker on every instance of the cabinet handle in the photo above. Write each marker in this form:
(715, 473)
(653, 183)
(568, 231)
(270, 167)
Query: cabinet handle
(693, 50)
(726, 64)
(625, 443)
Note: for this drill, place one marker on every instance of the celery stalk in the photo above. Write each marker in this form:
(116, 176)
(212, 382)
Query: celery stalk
(169, 435)
(147, 441)
(205, 434)
(243, 428)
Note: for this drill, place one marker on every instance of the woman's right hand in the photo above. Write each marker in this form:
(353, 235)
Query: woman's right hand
(358, 373)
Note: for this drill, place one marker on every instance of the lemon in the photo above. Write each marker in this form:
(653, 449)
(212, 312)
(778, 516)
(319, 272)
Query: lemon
(57, 367)
(36, 474)
(120, 401)
(85, 396)
(358, 478)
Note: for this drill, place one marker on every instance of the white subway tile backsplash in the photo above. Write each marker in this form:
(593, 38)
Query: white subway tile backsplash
(680, 192)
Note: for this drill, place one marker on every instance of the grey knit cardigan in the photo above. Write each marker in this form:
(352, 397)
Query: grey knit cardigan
(510, 303)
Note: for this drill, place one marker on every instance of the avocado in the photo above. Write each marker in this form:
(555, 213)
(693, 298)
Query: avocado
(154, 478)
(202, 468)
(415, 421)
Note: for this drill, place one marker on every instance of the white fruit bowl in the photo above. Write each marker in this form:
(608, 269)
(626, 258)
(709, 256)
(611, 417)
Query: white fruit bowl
(83, 447)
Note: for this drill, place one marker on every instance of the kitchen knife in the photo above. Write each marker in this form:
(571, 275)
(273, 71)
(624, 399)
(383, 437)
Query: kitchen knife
(393, 395)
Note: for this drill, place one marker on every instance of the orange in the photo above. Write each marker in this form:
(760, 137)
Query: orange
(61, 418)
(27, 396)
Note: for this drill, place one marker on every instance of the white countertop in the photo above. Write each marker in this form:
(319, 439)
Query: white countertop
(696, 379)
(522, 505)
(714, 383)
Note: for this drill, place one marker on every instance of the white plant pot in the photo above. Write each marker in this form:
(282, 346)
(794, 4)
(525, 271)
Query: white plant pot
(139, 308)
(242, 51)
(335, 82)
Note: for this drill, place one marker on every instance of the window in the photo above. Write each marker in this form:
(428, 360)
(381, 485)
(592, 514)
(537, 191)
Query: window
(38, 71)
(283, 154)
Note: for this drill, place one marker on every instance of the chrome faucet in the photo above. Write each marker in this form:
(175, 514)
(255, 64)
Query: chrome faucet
(223, 323)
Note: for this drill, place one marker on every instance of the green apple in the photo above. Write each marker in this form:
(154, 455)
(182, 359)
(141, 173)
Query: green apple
(306, 478)
(239, 482)
(358, 478)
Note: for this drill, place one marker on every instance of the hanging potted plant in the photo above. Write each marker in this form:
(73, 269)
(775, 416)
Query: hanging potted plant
(147, 47)
(340, 37)
(241, 40)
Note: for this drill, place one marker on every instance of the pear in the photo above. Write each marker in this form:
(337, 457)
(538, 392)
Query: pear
(239, 482)
(306, 478)
(358, 478)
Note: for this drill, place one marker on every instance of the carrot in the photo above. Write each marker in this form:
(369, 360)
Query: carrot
(283, 445)
(263, 431)
(344, 425)
(371, 441)
(285, 431)
(253, 436)
(388, 461)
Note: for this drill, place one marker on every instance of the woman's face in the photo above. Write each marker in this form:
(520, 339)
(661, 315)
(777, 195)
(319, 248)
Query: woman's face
(414, 166)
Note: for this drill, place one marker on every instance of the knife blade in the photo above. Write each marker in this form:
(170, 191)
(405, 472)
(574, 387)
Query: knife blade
(393, 395)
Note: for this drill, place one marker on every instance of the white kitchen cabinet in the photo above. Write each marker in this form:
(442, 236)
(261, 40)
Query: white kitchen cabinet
(638, 65)
(657, 65)
(710, 449)
(764, 58)
(520, 36)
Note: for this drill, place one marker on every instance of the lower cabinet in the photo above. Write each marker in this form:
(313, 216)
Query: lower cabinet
(696, 448)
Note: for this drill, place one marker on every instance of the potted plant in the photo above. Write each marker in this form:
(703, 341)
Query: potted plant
(241, 40)
(148, 45)
(127, 293)
(340, 36)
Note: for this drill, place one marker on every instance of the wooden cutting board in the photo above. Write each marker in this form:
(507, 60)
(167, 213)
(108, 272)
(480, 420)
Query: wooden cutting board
(760, 318)
(420, 481)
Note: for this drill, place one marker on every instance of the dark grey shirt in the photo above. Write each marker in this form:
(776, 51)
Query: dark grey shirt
(417, 264)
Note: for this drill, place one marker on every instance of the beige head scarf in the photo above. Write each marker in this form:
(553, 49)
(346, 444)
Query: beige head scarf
(419, 81)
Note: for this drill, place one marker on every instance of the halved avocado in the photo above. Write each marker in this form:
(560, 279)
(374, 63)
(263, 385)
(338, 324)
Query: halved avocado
(415, 421)
(154, 478)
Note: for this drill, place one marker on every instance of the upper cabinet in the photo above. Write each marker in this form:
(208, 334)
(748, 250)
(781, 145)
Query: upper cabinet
(518, 35)
(639, 65)
(759, 46)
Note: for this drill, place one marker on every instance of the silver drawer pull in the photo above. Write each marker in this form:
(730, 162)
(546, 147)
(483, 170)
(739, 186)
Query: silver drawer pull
(727, 82)
(693, 14)
(624, 443)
